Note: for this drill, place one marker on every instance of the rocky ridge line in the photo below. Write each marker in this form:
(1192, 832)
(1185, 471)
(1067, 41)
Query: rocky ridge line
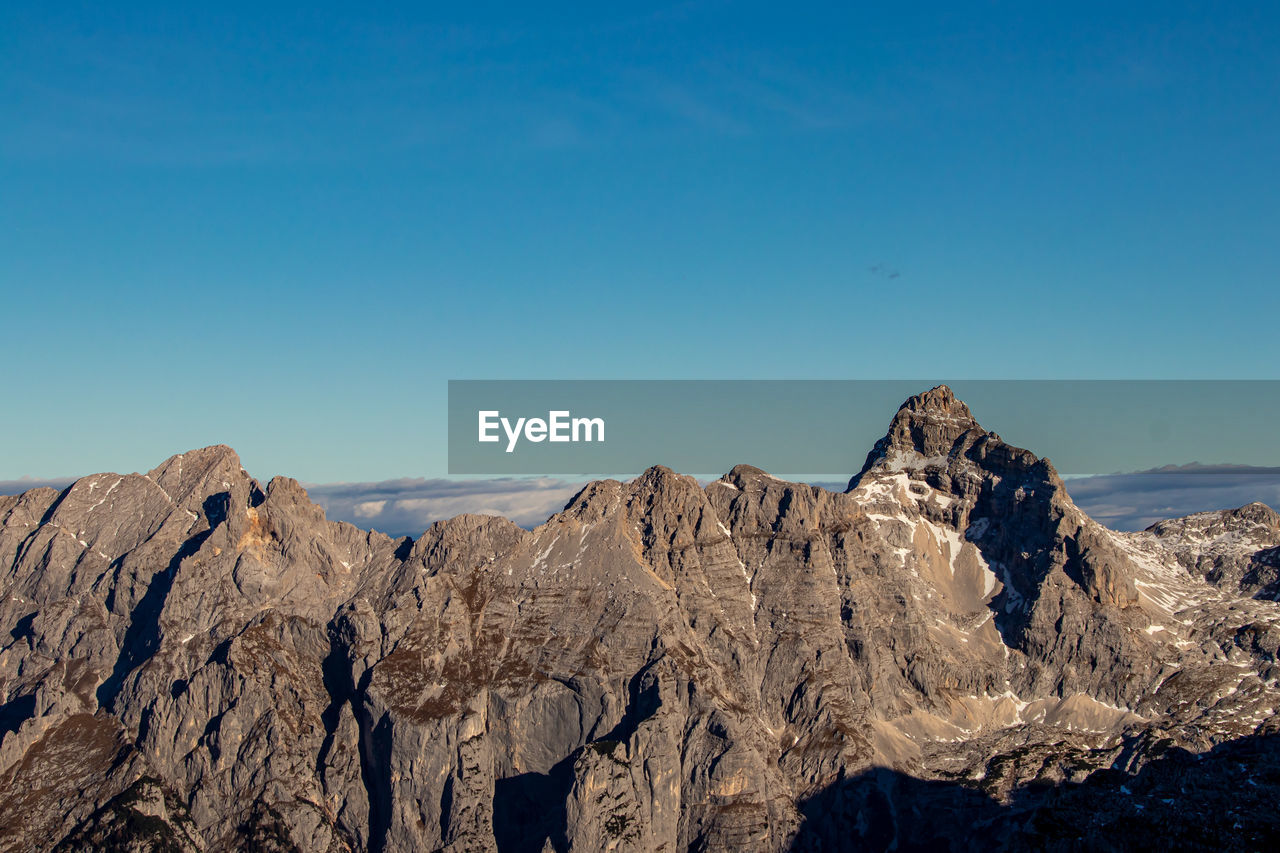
(197, 662)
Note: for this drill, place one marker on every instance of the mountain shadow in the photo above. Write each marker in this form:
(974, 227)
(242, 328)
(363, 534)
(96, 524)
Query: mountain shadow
(1223, 799)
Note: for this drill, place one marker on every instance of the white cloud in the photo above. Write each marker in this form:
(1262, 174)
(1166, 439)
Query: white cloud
(409, 506)
(1136, 501)
(369, 509)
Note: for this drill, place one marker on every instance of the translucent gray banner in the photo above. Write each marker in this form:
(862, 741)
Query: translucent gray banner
(826, 427)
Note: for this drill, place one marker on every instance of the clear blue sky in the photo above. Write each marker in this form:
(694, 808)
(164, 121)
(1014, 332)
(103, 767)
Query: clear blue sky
(284, 228)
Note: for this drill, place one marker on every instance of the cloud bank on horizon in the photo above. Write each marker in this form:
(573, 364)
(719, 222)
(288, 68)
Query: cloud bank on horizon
(1121, 501)
(408, 506)
(1138, 500)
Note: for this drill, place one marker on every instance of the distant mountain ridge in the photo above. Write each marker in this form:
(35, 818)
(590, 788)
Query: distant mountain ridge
(195, 661)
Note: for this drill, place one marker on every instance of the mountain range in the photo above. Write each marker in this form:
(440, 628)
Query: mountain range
(950, 654)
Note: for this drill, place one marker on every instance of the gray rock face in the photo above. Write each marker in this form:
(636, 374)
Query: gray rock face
(195, 662)
(1234, 548)
(924, 429)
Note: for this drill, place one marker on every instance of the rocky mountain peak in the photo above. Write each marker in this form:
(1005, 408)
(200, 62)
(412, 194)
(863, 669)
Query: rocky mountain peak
(1231, 548)
(189, 479)
(926, 427)
(1258, 513)
(748, 477)
(930, 423)
(938, 398)
(1252, 521)
(187, 468)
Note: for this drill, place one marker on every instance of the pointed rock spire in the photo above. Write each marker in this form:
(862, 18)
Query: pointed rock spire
(926, 425)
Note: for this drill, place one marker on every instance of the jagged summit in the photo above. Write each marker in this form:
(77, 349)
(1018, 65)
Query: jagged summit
(1237, 548)
(747, 476)
(925, 427)
(213, 454)
(1251, 516)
